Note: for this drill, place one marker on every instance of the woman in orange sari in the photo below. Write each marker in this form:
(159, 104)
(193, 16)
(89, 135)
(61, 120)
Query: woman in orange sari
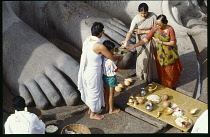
(167, 59)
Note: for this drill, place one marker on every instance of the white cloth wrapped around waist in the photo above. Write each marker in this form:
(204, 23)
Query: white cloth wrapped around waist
(94, 96)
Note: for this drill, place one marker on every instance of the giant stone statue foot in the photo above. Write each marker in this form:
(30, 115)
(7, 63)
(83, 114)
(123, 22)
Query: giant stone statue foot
(35, 68)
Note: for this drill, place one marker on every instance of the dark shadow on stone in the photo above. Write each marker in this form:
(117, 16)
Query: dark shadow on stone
(34, 110)
(203, 62)
(96, 131)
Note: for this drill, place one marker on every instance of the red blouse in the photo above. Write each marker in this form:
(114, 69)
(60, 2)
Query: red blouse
(170, 33)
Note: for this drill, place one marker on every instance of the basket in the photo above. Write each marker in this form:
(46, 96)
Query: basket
(78, 128)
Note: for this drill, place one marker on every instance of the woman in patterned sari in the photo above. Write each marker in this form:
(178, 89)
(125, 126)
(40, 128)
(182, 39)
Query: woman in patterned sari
(167, 59)
(141, 25)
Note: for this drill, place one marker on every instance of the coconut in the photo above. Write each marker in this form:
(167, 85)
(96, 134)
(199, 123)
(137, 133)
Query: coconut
(121, 85)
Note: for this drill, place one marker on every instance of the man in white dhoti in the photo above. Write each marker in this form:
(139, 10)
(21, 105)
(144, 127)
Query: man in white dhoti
(90, 83)
(23, 122)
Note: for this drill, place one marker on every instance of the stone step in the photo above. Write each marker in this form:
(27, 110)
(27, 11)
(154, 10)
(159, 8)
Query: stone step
(143, 116)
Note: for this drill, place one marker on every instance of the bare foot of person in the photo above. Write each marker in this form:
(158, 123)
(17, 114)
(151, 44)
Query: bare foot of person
(97, 117)
(116, 110)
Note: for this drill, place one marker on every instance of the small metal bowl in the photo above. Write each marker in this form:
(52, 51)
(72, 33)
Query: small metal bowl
(192, 111)
(167, 111)
(149, 107)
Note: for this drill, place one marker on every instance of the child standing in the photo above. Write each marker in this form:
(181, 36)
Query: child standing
(109, 78)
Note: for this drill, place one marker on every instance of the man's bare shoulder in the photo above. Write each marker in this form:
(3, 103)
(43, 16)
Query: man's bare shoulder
(98, 45)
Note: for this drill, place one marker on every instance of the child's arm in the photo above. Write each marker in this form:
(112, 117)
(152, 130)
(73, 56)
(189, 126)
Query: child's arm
(119, 60)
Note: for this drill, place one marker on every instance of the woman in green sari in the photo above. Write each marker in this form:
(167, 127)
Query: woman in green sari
(166, 54)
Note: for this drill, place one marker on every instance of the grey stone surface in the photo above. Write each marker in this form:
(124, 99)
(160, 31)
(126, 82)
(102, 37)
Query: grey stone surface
(112, 124)
(67, 48)
(63, 112)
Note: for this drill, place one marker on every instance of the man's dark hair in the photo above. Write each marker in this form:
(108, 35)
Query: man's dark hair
(97, 28)
(18, 103)
(108, 44)
(162, 18)
(143, 7)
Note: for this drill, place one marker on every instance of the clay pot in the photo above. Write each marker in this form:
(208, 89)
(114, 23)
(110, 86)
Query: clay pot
(164, 97)
(121, 85)
(118, 89)
(135, 102)
(166, 104)
(129, 79)
(140, 100)
(127, 83)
